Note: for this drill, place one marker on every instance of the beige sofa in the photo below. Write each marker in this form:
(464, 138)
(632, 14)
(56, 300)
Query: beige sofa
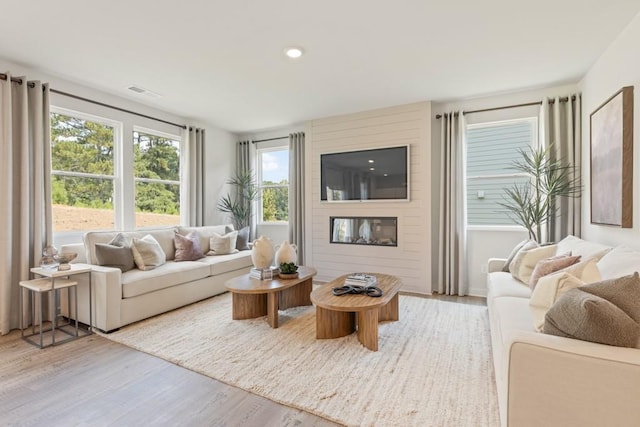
(546, 380)
(123, 298)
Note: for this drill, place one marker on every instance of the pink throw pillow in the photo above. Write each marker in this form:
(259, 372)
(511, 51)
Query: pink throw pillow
(551, 265)
(187, 247)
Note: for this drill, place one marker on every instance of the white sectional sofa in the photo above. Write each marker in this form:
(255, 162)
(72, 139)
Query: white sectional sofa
(123, 298)
(547, 380)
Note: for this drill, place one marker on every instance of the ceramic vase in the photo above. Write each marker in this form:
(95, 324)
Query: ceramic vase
(286, 252)
(262, 253)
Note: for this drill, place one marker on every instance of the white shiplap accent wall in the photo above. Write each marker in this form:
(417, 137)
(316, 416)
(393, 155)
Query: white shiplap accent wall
(411, 259)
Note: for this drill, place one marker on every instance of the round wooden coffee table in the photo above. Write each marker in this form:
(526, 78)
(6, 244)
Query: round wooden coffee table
(338, 316)
(254, 297)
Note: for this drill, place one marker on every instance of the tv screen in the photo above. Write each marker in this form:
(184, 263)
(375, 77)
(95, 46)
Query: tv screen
(377, 174)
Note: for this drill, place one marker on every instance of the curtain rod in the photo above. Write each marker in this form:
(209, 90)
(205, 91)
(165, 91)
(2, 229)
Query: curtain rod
(102, 104)
(551, 101)
(270, 139)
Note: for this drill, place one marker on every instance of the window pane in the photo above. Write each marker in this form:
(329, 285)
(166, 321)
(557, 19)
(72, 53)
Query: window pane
(79, 145)
(275, 167)
(491, 150)
(484, 196)
(157, 204)
(275, 204)
(156, 159)
(82, 203)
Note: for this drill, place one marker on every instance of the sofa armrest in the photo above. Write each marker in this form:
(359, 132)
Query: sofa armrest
(495, 264)
(107, 294)
(556, 381)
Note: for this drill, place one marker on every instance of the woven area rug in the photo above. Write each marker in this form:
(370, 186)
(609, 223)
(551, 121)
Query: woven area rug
(433, 367)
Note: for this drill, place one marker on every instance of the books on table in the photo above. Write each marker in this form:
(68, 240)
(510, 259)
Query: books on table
(361, 279)
(264, 273)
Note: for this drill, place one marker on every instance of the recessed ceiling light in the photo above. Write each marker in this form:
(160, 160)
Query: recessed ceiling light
(386, 174)
(371, 161)
(293, 52)
(372, 169)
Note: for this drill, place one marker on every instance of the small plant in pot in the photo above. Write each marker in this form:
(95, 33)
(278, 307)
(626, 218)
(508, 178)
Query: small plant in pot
(288, 270)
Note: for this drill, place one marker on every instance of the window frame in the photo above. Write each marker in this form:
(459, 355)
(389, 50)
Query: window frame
(535, 141)
(260, 208)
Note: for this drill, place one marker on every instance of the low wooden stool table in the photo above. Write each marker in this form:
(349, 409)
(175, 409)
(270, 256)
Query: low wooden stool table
(254, 297)
(338, 316)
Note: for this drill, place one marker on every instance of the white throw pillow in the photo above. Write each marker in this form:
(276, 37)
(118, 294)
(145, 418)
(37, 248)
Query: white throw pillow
(525, 261)
(147, 253)
(223, 245)
(620, 261)
(586, 270)
(584, 248)
(546, 293)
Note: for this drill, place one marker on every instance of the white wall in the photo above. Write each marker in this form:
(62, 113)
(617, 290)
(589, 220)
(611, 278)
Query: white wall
(483, 242)
(218, 150)
(619, 66)
(411, 259)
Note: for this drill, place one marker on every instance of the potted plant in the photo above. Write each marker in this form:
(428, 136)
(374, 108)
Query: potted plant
(238, 203)
(288, 270)
(533, 205)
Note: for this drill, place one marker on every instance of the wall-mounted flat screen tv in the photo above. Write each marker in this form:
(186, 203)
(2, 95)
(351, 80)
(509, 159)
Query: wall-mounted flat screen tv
(365, 175)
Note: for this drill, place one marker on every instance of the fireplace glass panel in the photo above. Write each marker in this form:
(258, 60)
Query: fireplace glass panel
(357, 230)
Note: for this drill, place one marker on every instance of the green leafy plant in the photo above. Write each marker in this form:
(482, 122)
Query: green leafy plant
(533, 205)
(238, 203)
(288, 268)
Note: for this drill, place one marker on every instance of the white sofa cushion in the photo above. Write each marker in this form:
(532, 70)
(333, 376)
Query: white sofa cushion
(619, 261)
(226, 263)
(137, 282)
(501, 284)
(577, 246)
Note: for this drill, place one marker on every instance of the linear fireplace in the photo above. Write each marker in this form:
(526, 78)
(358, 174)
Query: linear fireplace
(364, 230)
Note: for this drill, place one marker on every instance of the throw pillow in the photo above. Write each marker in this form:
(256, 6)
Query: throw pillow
(187, 247)
(548, 290)
(109, 255)
(623, 291)
(585, 270)
(550, 265)
(619, 261)
(531, 244)
(525, 261)
(223, 245)
(584, 316)
(513, 253)
(147, 253)
(242, 241)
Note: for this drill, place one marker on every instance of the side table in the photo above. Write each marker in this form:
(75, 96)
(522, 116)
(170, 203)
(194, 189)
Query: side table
(53, 281)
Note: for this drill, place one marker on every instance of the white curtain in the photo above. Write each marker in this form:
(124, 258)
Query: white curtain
(452, 268)
(560, 125)
(25, 187)
(296, 192)
(245, 152)
(196, 165)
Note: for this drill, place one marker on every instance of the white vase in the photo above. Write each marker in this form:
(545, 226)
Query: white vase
(262, 253)
(286, 252)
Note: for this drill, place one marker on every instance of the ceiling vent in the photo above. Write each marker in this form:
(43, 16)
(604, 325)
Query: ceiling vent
(143, 91)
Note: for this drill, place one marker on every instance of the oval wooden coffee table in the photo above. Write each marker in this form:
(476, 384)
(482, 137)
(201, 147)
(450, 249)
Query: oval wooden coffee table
(254, 297)
(339, 316)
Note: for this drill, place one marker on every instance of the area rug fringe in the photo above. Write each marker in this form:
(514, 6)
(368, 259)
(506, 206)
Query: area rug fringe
(433, 367)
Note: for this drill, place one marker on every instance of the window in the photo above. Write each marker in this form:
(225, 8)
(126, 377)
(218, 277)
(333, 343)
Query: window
(273, 179)
(491, 150)
(156, 167)
(102, 181)
(82, 163)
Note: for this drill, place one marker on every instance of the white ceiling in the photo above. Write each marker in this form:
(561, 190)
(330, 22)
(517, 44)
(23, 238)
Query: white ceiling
(221, 61)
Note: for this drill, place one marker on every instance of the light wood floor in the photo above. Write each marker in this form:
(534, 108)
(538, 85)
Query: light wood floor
(97, 382)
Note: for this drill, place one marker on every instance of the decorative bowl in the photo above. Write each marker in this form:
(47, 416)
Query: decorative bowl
(64, 260)
(287, 276)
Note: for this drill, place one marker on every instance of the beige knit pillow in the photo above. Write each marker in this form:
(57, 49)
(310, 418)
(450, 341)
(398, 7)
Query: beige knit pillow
(525, 261)
(147, 253)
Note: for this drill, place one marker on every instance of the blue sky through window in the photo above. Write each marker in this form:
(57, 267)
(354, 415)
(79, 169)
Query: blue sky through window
(275, 166)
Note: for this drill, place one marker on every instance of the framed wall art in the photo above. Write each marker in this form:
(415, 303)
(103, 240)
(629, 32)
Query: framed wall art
(612, 160)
